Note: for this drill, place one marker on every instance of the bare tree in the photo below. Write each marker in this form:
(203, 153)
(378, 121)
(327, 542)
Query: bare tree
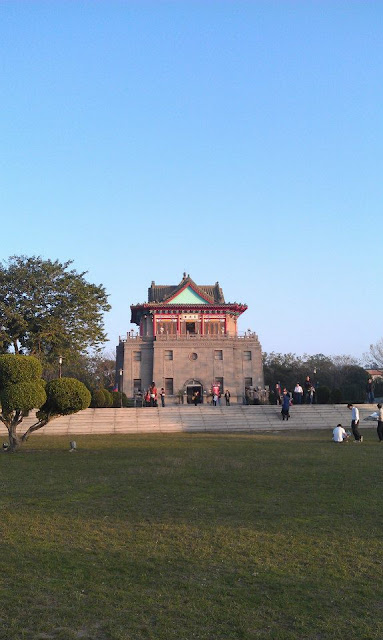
(376, 353)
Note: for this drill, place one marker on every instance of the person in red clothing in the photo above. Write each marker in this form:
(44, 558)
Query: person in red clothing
(153, 395)
(215, 393)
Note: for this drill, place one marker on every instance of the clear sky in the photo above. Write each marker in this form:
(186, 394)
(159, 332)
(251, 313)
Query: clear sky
(237, 141)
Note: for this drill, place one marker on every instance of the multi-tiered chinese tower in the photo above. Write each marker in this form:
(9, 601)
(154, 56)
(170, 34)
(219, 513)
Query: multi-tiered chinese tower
(188, 341)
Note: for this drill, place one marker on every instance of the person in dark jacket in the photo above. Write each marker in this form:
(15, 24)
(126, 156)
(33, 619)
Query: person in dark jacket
(370, 391)
(278, 393)
(285, 405)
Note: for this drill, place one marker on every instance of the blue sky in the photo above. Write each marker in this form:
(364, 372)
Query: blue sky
(236, 141)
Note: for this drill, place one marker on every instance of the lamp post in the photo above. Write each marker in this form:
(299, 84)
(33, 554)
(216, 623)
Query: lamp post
(316, 384)
(121, 372)
(60, 365)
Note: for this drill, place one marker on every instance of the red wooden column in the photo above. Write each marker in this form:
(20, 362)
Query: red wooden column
(225, 324)
(202, 324)
(154, 324)
(178, 324)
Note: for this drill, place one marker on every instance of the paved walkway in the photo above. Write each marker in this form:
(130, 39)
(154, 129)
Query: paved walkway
(203, 418)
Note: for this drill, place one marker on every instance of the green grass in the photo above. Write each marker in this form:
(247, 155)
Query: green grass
(192, 537)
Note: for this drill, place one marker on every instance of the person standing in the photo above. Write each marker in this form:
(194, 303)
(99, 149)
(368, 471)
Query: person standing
(285, 405)
(278, 393)
(370, 390)
(227, 397)
(311, 396)
(162, 396)
(355, 422)
(380, 422)
(215, 392)
(153, 395)
(195, 398)
(298, 394)
(308, 386)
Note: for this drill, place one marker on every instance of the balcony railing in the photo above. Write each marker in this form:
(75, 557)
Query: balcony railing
(164, 337)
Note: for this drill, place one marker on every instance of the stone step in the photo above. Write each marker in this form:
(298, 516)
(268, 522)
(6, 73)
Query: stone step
(202, 418)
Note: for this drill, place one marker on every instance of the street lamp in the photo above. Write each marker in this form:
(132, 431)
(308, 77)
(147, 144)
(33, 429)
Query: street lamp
(121, 372)
(60, 365)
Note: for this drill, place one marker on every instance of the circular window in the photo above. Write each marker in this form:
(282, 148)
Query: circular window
(193, 356)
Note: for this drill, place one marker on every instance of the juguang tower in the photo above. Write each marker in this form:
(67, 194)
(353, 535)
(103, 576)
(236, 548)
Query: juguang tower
(188, 341)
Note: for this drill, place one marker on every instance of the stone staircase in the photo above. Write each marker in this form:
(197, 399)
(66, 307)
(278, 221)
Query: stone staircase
(202, 418)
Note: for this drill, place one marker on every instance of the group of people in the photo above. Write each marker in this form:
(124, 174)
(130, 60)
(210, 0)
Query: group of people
(151, 396)
(300, 394)
(216, 395)
(339, 434)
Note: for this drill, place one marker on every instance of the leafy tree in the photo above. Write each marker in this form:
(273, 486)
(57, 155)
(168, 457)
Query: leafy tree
(22, 389)
(287, 369)
(336, 396)
(48, 309)
(353, 393)
(95, 370)
(323, 394)
(336, 372)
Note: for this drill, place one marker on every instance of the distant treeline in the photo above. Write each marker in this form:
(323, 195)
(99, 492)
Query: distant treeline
(336, 378)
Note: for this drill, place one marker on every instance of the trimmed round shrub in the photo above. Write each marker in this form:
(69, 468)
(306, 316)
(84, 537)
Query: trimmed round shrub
(23, 396)
(108, 398)
(98, 399)
(323, 394)
(65, 396)
(336, 396)
(116, 395)
(15, 368)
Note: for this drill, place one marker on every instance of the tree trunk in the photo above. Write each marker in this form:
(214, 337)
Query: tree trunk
(34, 427)
(14, 439)
(12, 422)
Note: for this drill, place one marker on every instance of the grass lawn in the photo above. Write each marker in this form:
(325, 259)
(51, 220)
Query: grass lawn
(275, 536)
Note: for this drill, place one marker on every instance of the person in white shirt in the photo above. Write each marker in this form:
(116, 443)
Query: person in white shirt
(339, 434)
(355, 422)
(298, 394)
(380, 422)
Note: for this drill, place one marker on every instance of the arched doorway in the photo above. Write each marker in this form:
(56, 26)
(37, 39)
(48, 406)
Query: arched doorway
(192, 387)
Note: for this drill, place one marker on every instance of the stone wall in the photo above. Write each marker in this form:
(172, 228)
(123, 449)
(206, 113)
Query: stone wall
(199, 358)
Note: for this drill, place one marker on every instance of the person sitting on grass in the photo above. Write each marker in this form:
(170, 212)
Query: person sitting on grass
(339, 434)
